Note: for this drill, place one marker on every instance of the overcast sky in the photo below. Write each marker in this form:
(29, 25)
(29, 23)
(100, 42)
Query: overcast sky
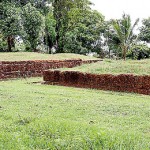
(115, 8)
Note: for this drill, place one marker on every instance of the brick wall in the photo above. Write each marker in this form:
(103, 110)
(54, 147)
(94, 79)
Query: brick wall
(122, 83)
(16, 69)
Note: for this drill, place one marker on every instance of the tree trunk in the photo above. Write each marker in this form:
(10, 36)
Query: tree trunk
(109, 54)
(124, 51)
(9, 44)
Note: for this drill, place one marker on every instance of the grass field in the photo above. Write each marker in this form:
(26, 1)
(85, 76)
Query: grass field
(17, 56)
(34, 116)
(137, 67)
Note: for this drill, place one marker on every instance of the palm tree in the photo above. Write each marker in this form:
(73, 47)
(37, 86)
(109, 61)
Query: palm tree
(124, 31)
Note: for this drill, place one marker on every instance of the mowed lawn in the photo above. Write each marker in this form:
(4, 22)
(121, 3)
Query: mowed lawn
(137, 67)
(34, 116)
(18, 56)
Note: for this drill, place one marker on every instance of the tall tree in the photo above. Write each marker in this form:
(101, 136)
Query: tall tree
(145, 30)
(124, 32)
(10, 22)
(50, 34)
(83, 34)
(75, 18)
(33, 22)
(61, 8)
(110, 38)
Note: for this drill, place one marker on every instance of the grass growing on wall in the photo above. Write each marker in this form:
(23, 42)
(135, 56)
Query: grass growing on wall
(35, 116)
(138, 67)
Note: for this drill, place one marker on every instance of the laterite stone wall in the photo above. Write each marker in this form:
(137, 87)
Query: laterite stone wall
(17, 69)
(122, 83)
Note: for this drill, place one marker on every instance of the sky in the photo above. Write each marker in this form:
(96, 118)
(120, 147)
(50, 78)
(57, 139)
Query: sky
(113, 9)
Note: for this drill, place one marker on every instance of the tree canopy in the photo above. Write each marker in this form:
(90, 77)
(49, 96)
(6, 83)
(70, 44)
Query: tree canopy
(66, 26)
(124, 32)
(32, 22)
(10, 22)
(145, 30)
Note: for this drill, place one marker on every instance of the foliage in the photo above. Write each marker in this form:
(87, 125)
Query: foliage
(50, 33)
(33, 23)
(140, 51)
(3, 43)
(111, 39)
(67, 26)
(19, 46)
(145, 30)
(83, 36)
(10, 23)
(72, 45)
(61, 8)
(124, 31)
(77, 26)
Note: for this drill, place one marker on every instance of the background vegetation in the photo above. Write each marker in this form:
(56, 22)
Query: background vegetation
(66, 26)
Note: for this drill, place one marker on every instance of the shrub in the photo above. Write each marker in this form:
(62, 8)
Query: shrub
(140, 51)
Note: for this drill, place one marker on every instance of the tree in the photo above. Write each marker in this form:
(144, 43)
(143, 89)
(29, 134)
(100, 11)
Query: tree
(139, 51)
(77, 26)
(62, 9)
(50, 34)
(145, 30)
(83, 33)
(33, 22)
(110, 39)
(72, 26)
(60, 12)
(3, 43)
(124, 32)
(41, 5)
(10, 23)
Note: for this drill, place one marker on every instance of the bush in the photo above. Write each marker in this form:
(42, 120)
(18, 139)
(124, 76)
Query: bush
(140, 51)
(3, 45)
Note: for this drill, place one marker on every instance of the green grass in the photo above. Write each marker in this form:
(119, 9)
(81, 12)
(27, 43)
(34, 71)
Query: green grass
(36, 117)
(138, 67)
(17, 56)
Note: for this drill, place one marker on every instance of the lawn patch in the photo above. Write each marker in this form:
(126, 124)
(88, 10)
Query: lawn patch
(55, 117)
